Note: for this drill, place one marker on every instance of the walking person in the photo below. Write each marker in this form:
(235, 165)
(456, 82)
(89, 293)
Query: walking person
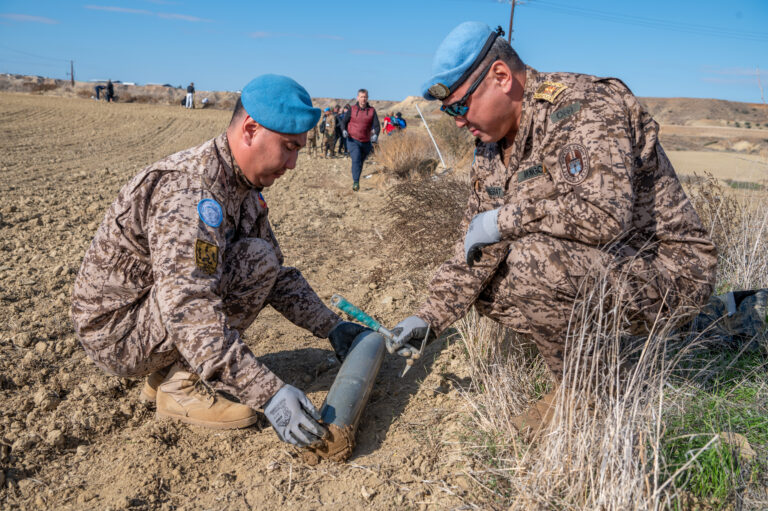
(360, 128)
(190, 95)
(110, 91)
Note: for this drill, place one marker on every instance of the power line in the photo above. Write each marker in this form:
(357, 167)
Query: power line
(640, 21)
(33, 55)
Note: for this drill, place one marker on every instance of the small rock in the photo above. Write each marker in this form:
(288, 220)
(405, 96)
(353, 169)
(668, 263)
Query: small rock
(55, 438)
(273, 465)
(23, 339)
(387, 300)
(367, 494)
(46, 400)
(372, 285)
(23, 444)
(41, 347)
(81, 450)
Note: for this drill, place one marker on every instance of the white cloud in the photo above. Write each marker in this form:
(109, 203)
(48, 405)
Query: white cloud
(144, 12)
(28, 18)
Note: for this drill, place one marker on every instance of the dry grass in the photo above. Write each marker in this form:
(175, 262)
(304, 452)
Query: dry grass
(607, 445)
(425, 218)
(456, 144)
(408, 154)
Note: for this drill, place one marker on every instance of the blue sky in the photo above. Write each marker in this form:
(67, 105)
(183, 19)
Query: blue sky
(680, 48)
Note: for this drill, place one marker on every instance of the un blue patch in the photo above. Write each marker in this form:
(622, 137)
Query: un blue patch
(210, 212)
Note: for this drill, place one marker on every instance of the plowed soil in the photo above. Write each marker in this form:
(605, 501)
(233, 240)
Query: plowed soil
(74, 438)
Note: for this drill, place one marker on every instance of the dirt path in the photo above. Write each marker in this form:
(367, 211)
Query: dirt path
(73, 438)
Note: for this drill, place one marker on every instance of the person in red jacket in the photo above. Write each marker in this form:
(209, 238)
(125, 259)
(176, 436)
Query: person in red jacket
(360, 127)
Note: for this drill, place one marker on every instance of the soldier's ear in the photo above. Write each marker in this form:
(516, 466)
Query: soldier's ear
(502, 76)
(250, 129)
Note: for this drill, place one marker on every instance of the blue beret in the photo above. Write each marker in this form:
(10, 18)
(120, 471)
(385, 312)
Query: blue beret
(457, 57)
(279, 104)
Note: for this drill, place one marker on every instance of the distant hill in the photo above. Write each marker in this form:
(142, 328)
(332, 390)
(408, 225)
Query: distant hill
(680, 111)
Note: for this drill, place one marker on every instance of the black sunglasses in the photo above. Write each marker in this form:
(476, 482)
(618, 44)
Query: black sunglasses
(459, 108)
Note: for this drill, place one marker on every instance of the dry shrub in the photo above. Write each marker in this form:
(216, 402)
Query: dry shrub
(456, 144)
(407, 154)
(425, 218)
(738, 229)
(602, 449)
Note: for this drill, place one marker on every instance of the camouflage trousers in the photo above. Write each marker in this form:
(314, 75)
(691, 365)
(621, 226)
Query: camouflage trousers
(250, 271)
(534, 291)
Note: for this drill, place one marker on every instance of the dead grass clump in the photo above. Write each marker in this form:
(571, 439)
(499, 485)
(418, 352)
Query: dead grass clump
(604, 446)
(407, 154)
(425, 218)
(738, 229)
(456, 144)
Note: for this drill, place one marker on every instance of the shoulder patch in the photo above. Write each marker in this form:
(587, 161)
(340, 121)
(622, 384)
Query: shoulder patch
(206, 256)
(548, 91)
(574, 162)
(262, 202)
(565, 112)
(210, 212)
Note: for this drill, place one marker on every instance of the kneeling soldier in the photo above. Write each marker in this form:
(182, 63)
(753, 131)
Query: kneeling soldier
(569, 176)
(185, 260)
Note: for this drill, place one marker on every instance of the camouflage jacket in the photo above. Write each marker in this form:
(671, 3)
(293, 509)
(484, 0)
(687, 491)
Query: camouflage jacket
(586, 165)
(152, 235)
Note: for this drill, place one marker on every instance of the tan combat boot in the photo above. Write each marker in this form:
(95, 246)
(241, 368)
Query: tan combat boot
(149, 391)
(181, 396)
(536, 418)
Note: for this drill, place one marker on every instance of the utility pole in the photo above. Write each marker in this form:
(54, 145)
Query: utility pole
(72, 72)
(511, 18)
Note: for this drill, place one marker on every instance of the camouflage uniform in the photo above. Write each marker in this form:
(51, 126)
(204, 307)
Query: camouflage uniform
(586, 186)
(158, 284)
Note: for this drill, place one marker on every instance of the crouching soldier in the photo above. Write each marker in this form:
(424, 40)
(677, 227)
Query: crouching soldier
(185, 260)
(569, 178)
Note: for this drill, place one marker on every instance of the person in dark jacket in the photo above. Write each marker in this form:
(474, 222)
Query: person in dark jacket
(342, 140)
(360, 127)
(110, 91)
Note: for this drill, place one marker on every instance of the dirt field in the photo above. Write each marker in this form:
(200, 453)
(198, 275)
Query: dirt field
(81, 440)
(73, 438)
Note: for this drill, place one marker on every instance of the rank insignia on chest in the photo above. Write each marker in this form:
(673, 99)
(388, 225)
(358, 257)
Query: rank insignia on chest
(262, 202)
(548, 91)
(574, 162)
(206, 256)
(495, 191)
(530, 173)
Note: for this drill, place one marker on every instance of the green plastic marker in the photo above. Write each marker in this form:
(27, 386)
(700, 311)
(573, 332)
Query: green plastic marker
(341, 303)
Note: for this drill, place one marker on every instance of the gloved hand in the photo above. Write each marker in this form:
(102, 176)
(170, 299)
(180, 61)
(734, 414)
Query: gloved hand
(294, 417)
(411, 331)
(483, 230)
(342, 335)
(374, 138)
(344, 133)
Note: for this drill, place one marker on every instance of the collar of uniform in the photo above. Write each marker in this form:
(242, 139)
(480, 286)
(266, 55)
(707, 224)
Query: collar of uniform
(532, 79)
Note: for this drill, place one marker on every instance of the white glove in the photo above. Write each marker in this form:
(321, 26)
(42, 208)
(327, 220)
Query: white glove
(374, 138)
(483, 230)
(344, 133)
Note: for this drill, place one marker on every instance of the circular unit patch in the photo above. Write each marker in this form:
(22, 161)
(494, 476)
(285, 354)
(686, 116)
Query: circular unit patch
(574, 162)
(210, 212)
(439, 91)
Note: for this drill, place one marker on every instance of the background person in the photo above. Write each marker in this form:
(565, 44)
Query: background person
(360, 127)
(190, 100)
(186, 258)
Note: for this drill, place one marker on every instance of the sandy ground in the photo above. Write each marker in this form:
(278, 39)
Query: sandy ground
(73, 438)
(723, 165)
